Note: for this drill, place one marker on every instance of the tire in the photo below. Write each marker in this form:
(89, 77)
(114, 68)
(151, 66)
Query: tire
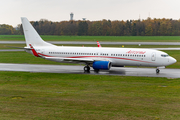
(87, 69)
(157, 70)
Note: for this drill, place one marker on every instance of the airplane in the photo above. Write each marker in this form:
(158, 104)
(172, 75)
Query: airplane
(99, 58)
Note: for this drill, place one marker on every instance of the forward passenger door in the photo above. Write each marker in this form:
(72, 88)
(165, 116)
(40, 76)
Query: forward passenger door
(153, 56)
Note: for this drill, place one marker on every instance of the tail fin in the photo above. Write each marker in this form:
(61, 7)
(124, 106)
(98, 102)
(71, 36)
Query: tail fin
(31, 35)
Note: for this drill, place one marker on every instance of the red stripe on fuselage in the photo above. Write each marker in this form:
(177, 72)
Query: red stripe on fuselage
(112, 58)
(99, 57)
(33, 51)
(44, 55)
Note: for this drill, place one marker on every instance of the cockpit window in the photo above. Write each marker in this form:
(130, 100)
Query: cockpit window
(164, 55)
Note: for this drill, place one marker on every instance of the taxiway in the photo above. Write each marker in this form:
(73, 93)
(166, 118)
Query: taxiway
(126, 71)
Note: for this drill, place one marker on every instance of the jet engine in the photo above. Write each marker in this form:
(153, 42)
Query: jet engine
(101, 65)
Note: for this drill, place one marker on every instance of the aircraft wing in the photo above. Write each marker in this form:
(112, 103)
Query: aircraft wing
(75, 60)
(78, 60)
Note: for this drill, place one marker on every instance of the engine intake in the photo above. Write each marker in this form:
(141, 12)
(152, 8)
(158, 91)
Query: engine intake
(101, 65)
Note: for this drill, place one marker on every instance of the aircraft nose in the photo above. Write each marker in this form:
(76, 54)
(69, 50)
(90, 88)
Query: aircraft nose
(172, 60)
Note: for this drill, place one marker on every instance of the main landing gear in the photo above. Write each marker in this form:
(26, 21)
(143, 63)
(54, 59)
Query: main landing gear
(157, 70)
(96, 70)
(86, 69)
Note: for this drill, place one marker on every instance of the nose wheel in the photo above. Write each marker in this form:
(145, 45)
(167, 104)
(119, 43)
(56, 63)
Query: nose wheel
(157, 70)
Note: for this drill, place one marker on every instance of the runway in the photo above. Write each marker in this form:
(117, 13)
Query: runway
(126, 71)
(94, 42)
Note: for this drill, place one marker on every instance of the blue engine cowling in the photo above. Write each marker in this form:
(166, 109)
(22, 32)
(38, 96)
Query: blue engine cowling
(101, 65)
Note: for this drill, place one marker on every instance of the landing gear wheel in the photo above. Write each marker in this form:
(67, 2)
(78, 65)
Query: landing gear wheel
(87, 69)
(157, 70)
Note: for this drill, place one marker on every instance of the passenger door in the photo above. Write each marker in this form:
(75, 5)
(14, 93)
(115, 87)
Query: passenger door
(153, 56)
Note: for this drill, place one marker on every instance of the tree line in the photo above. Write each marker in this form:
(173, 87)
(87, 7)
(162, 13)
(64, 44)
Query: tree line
(9, 30)
(148, 27)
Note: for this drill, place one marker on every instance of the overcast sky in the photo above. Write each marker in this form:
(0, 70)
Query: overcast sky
(59, 10)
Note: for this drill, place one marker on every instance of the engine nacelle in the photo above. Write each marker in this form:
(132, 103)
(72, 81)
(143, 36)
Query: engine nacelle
(101, 65)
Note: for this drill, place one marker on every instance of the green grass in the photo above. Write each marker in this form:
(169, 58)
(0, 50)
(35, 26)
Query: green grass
(12, 37)
(114, 38)
(69, 96)
(175, 54)
(99, 38)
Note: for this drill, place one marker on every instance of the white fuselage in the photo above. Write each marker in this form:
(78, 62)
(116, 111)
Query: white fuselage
(117, 56)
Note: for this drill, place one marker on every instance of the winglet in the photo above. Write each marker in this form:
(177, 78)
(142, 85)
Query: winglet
(99, 45)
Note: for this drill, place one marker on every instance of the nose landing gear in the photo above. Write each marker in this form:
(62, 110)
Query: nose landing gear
(157, 70)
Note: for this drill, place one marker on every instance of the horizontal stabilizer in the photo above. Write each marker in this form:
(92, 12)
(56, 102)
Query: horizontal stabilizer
(25, 48)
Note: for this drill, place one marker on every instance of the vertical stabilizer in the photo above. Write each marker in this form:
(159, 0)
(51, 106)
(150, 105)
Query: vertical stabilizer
(31, 35)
